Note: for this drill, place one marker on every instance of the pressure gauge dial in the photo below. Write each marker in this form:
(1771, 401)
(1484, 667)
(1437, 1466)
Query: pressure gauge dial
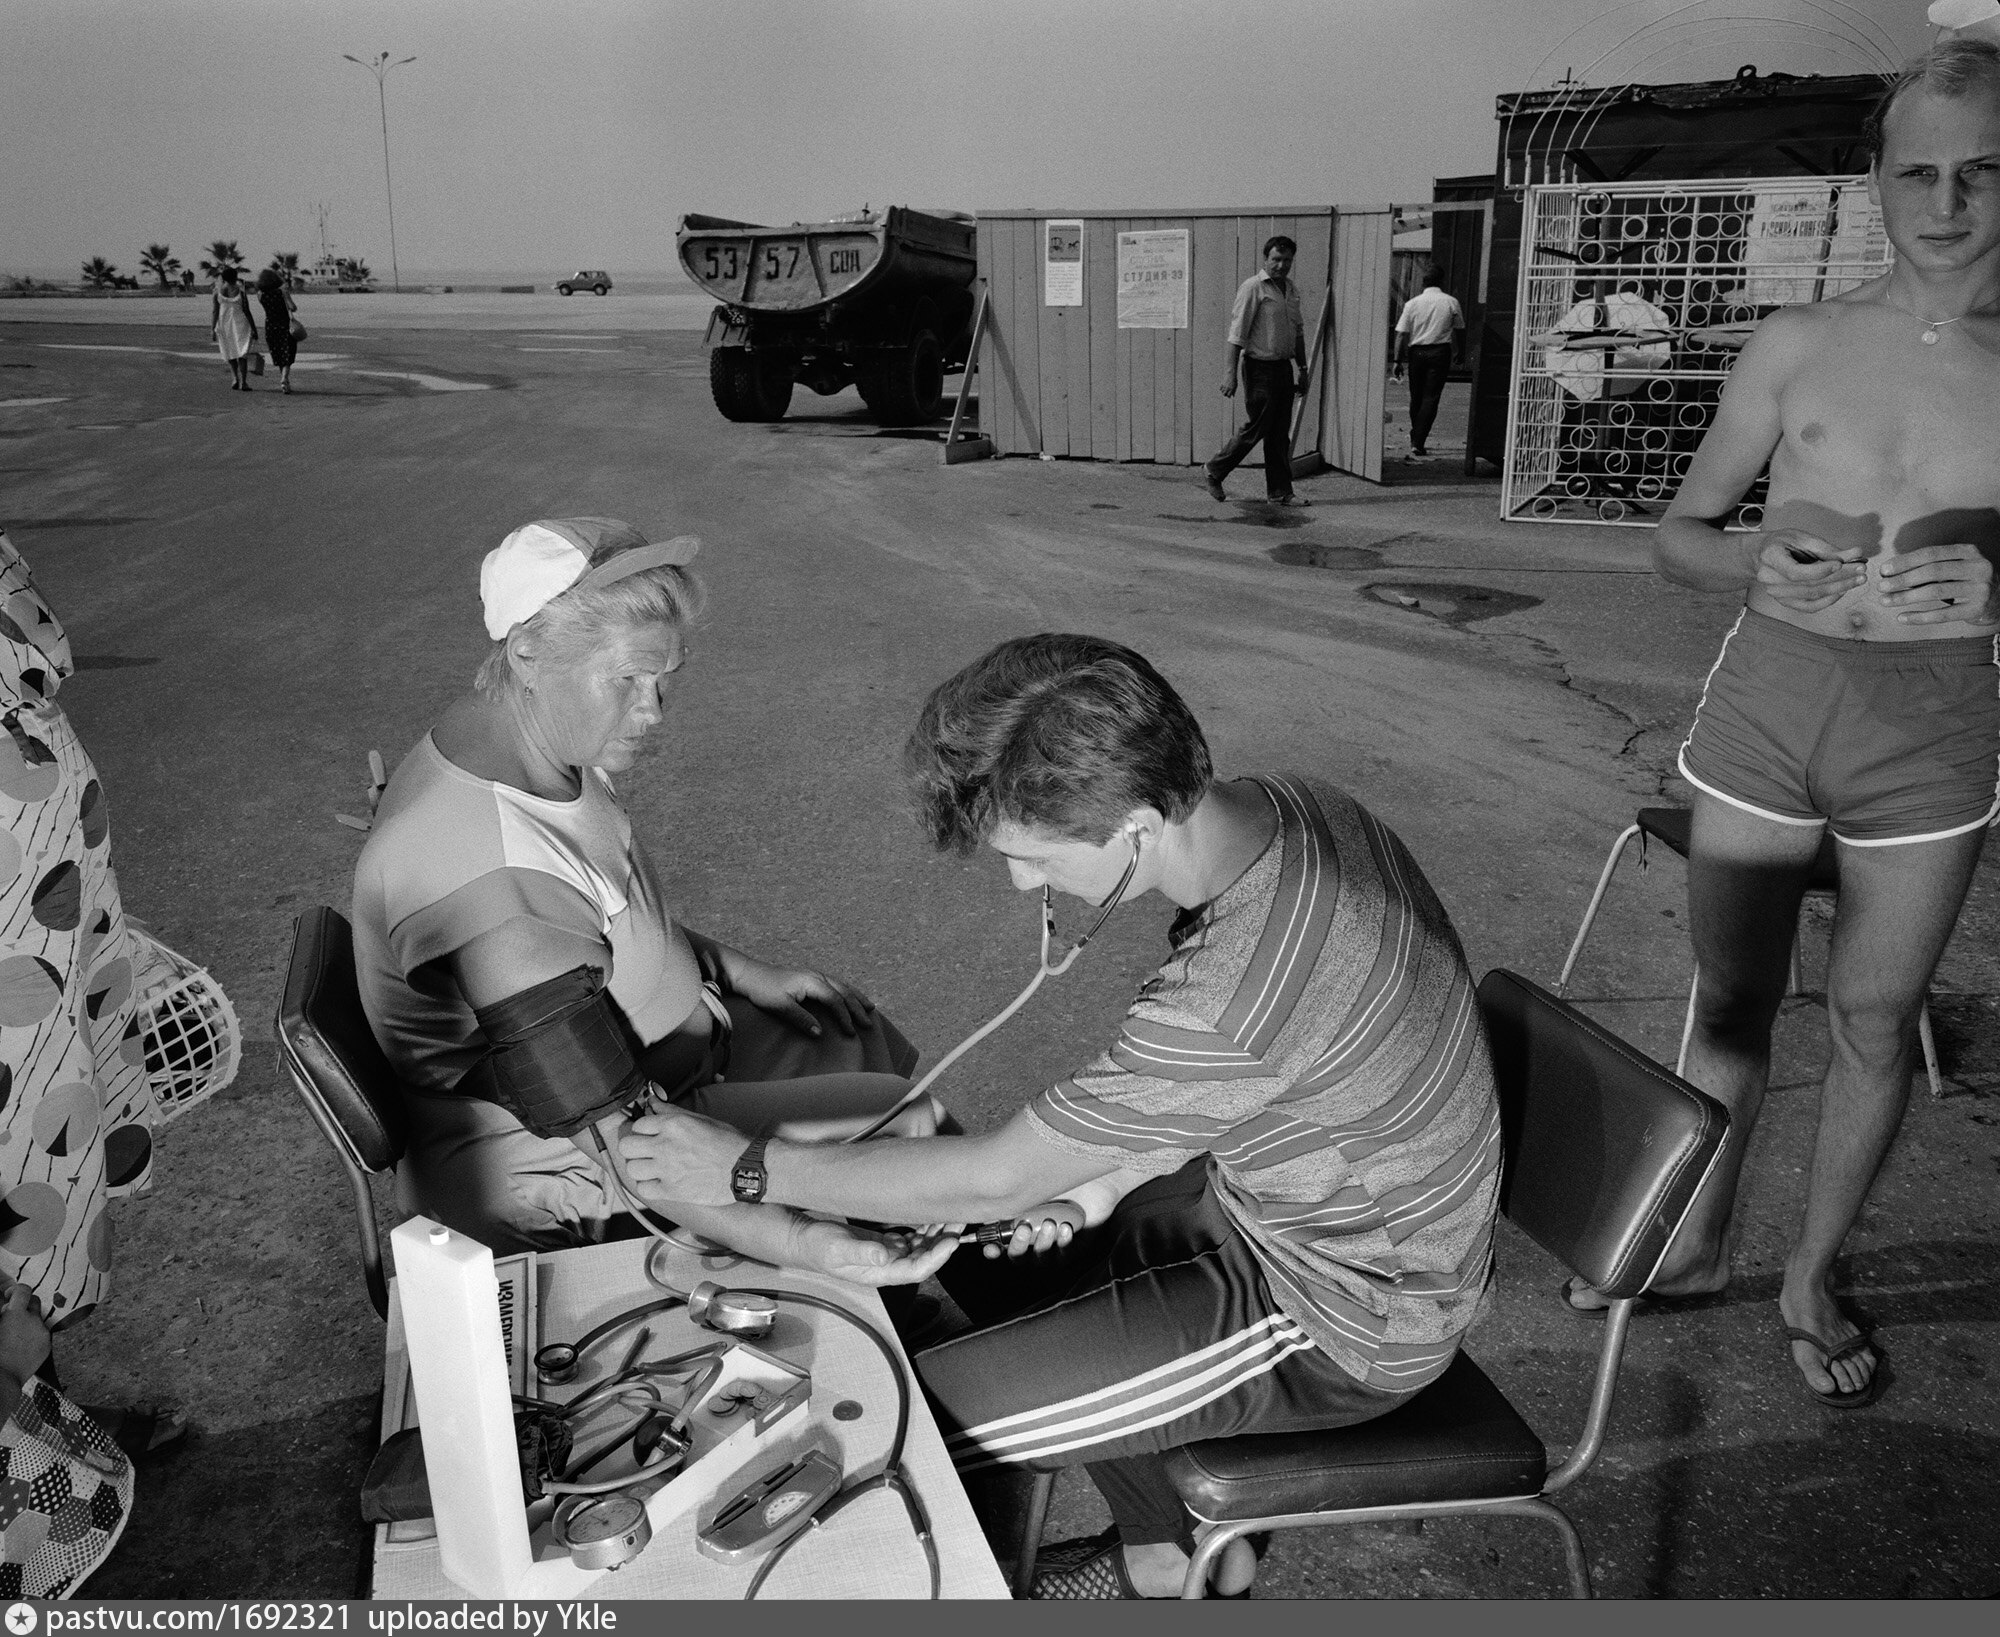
(603, 1531)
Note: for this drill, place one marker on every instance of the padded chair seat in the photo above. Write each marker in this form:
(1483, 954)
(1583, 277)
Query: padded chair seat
(1459, 1439)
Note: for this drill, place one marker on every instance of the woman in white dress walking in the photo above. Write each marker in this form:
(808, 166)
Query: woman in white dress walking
(234, 330)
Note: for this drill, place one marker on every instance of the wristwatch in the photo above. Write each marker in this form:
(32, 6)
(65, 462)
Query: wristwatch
(747, 1177)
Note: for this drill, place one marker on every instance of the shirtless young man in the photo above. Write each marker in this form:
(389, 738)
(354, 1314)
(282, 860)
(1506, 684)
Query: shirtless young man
(1858, 689)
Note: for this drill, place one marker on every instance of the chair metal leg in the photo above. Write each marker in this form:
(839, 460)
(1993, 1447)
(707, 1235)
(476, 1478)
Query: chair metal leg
(1031, 1533)
(1795, 977)
(1930, 1050)
(1596, 898)
(1687, 1025)
(1572, 1542)
(1194, 1584)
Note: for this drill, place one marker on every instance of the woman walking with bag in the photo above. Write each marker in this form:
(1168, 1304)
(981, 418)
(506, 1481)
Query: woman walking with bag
(282, 330)
(233, 329)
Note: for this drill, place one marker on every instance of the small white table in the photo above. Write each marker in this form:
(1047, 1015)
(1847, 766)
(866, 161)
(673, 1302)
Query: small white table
(866, 1552)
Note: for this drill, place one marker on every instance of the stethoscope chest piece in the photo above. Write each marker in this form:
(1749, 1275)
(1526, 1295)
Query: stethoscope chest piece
(557, 1363)
(731, 1312)
(602, 1531)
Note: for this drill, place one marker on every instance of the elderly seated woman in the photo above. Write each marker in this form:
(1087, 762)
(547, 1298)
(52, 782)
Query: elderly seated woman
(519, 964)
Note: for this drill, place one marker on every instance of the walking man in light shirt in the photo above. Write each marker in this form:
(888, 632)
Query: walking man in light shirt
(1267, 339)
(1427, 340)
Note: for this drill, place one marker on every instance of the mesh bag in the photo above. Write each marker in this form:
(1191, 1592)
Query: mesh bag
(193, 1042)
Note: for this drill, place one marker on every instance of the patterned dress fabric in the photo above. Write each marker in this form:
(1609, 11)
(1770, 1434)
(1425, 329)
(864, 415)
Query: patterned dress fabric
(76, 1111)
(65, 1493)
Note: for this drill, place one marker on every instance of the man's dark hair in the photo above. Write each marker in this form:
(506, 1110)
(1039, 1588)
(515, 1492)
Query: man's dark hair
(1281, 242)
(1949, 69)
(1060, 733)
(1433, 276)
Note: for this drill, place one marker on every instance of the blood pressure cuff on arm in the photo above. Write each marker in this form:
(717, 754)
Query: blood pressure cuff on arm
(560, 1055)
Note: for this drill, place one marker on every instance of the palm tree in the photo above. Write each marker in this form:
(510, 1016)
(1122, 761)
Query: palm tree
(161, 262)
(353, 270)
(285, 263)
(222, 253)
(99, 273)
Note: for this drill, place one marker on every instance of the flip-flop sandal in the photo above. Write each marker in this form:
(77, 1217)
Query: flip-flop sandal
(143, 1431)
(1694, 1303)
(1861, 1397)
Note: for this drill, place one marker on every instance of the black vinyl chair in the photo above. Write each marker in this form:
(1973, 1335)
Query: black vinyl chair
(1604, 1152)
(338, 1069)
(1672, 827)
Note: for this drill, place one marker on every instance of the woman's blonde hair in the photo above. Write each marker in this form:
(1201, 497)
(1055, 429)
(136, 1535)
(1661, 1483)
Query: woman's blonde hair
(583, 616)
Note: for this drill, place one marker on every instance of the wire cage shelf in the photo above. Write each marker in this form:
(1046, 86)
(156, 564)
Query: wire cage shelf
(193, 1043)
(1635, 300)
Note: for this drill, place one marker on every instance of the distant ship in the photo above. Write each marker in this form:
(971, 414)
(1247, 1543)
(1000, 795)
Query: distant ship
(330, 271)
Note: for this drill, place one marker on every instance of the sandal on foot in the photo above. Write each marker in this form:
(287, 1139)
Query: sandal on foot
(143, 1431)
(1692, 1303)
(1088, 1569)
(1833, 1353)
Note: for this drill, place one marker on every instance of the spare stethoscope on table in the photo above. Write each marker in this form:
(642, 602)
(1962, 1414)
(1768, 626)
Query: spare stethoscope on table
(603, 1525)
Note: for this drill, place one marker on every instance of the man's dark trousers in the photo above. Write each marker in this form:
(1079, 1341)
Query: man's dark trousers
(1430, 368)
(1267, 397)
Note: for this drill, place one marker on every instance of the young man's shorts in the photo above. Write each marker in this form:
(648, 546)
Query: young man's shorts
(1886, 742)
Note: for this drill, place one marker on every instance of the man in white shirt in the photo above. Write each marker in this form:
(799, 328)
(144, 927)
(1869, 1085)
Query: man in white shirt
(1427, 340)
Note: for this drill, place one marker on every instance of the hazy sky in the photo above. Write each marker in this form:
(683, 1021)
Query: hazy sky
(567, 133)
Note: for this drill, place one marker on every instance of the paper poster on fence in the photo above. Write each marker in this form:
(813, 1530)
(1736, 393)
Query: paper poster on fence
(1062, 264)
(1805, 244)
(1153, 280)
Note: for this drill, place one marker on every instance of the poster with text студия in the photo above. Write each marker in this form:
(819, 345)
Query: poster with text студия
(1153, 279)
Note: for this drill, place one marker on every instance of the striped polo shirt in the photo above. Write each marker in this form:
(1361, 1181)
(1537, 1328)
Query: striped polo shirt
(1315, 1036)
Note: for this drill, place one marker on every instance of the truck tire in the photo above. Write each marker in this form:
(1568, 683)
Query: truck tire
(562, 289)
(746, 387)
(600, 288)
(907, 388)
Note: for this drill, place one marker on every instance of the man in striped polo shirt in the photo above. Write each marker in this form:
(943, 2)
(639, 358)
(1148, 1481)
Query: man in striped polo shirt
(1302, 1095)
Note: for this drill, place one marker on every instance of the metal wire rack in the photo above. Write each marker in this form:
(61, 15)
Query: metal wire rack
(1635, 299)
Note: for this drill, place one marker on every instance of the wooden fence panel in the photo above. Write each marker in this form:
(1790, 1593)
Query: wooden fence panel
(1361, 297)
(1143, 374)
(1309, 272)
(1100, 295)
(1028, 340)
(996, 402)
(1208, 318)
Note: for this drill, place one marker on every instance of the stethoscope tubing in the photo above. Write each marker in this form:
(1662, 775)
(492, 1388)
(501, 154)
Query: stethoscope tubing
(1043, 972)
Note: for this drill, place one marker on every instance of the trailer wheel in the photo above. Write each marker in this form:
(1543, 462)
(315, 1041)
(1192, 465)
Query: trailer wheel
(908, 387)
(748, 388)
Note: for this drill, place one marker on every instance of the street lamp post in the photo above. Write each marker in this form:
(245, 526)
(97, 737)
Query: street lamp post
(380, 69)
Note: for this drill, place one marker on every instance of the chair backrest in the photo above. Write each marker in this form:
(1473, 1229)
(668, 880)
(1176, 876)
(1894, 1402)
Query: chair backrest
(1605, 1150)
(324, 1036)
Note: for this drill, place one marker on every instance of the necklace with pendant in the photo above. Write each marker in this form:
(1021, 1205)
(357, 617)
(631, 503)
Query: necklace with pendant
(1932, 326)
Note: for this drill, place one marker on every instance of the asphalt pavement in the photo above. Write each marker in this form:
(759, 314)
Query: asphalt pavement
(261, 589)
